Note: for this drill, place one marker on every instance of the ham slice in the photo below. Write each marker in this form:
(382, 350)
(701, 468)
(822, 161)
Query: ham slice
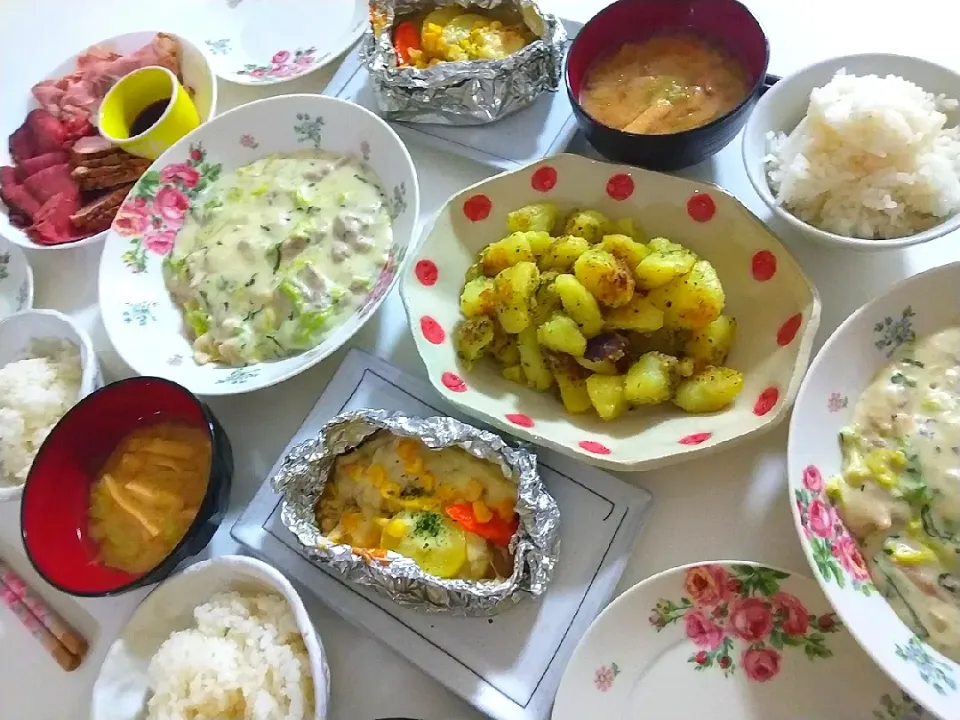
(51, 181)
(52, 224)
(22, 205)
(35, 164)
(23, 146)
(48, 131)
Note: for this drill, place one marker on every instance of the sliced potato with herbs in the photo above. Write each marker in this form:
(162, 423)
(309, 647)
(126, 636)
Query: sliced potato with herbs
(579, 304)
(532, 361)
(539, 217)
(666, 261)
(563, 253)
(669, 341)
(514, 373)
(478, 297)
(624, 248)
(471, 338)
(505, 253)
(651, 379)
(626, 226)
(607, 277)
(588, 224)
(638, 315)
(691, 301)
(561, 334)
(504, 347)
(711, 344)
(607, 395)
(600, 367)
(571, 381)
(514, 289)
(710, 390)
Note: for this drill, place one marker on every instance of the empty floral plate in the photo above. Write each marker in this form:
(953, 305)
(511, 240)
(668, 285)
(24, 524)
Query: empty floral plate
(776, 307)
(728, 641)
(262, 42)
(843, 368)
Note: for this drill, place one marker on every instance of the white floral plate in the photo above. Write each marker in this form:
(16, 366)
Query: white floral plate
(728, 641)
(263, 42)
(16, 280)
(141, 319)
(776, 307)
(843, 368)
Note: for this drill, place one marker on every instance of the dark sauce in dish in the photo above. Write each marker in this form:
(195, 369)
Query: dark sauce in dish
(148, 117)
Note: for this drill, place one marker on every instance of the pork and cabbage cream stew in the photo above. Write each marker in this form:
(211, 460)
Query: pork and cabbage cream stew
(277, 254)
(899, 492)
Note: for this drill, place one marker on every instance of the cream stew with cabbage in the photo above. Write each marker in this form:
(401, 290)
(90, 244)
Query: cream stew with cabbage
(899, 492)
(277, 254)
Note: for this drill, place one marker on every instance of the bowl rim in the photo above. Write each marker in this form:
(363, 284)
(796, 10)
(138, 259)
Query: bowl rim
(138, 581)
(756, 171)
(752, 94)
(17, 236)
(413, 205)
(681, 452)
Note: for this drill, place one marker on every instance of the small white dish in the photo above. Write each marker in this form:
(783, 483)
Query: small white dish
(264, 42)
(844, 367)
(18, 331)
(729, 641)
(121, 690)
(783, 106)
(16, 280)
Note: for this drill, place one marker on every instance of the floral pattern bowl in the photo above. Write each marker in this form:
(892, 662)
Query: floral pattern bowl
(16, 280)
(141, 319)
(844, 367)
(776, 307)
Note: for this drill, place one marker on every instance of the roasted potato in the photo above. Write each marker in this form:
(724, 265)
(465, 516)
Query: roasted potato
(711, 344)
(606, 395)
(607, 278)
(579, 304)
(478, 297)
(608, 346)
(560, 333)
(473, 272)
(588, 224)
(514, 288)
(562, 253)
(505, 253)
(708, 391)
(471, 338)
(638, 315)
(504, 347)
(666, 261)
(540, 242)
(540, 217)
(686, 367)
(601, 367)
(691, 301)
(651, 379)
(626, 226)
(624, 248)
(546, 301)
(571, 381)
(535, 369)
(669, 341)
(514, 373)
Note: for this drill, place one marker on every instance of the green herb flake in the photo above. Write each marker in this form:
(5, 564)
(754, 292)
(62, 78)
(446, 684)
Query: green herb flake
(899, 378)
(428, 524)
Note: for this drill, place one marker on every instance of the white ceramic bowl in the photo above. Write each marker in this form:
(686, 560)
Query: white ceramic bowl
(16, 280)
(121, 690)
(776, 307)
(838, 375)
(19, 330)
(197, 75)
(142, 320)
(783, 106)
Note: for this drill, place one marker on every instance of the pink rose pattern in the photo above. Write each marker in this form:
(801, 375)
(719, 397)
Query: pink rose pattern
(283, 64)
(154, 212)
(739, 614)
(834, 550)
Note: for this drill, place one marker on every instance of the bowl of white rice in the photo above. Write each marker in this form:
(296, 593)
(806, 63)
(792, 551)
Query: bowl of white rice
(47, 365)
(227, 639)
(861, 152)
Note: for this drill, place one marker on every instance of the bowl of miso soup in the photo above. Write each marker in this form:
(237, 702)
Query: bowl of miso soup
(665, 84)
(133, 480)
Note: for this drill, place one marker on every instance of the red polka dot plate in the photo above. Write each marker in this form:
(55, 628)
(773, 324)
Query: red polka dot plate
(776, 308)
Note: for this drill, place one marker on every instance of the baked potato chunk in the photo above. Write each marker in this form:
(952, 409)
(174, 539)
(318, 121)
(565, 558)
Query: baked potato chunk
(691, 301)
(471, 339)
(651, 379)
(588, 224)
(710, 390)
(534, 366)
(478, 297)
(638, 315)
(514, 373)
(514, 288)
(666, 261)
(600, 367)
(562, 253)
(625, 248)
(669, 341)
(509, 251)
(626, 226)
(711, 344)
(579, 304)
(546, 301)
(561, 334)
(571, 382)
(607, 278)
(504, 347)
(606, 395)
(539, 217)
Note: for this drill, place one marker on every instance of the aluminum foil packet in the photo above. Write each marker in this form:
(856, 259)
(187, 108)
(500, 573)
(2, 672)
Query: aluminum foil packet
(462, 93)
(307, 468)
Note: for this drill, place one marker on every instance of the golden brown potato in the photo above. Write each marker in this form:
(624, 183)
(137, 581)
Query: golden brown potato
(651, 380)
(588, 224)
(691, 301)
(572, 382)
(638, 315)
(601, 367)
(606, 395)
(546, 301)
(624, 248)
(505, 253)
(711, 344)
(666, 261)
(669, 341)
(471, 338)
(709, 391)
(478, 297)
(579, 304)
(534, 367)
(562, 253)
(514, 373)
(626, 226)
(540, 242)
(540, 217)
(561, 334)
(686, 367)
(473, 272)
(514, 288)
(607, 278)
(504, 347)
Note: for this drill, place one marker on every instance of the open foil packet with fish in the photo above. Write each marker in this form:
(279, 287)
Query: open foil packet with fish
(466, 92)
(534, 546)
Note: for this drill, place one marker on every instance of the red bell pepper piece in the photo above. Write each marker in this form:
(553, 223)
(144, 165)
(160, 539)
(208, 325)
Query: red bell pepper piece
(406, 37)
(496, 530)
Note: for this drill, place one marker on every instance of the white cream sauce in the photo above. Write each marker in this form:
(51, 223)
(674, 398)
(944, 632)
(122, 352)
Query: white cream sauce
(900, 489)
(277, 254)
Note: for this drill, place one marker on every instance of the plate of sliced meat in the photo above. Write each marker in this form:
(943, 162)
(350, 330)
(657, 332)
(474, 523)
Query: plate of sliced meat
(61, 182)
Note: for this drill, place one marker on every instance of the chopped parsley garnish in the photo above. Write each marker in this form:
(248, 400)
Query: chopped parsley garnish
(265, 228)
(251, 281)
(915, 363)
(428, 525)
(913, 486)
(899, 378)
(413, 492)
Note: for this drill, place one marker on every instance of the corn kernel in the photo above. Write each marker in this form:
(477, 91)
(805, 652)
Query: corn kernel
(407, 449)
(481, 512)
(389, 490)
(473, 491)
(396, 528)
(506, 508)
(428, 481)
(413, 467)
(377, 475)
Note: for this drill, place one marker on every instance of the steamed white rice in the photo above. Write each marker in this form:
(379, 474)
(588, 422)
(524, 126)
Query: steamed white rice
(245, 660)
(35, 393)
(872, 158)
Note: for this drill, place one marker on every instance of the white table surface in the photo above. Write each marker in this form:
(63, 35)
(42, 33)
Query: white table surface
(732, 505)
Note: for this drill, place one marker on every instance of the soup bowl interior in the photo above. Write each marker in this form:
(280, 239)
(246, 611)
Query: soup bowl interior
(825, 404)
(56, 496)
